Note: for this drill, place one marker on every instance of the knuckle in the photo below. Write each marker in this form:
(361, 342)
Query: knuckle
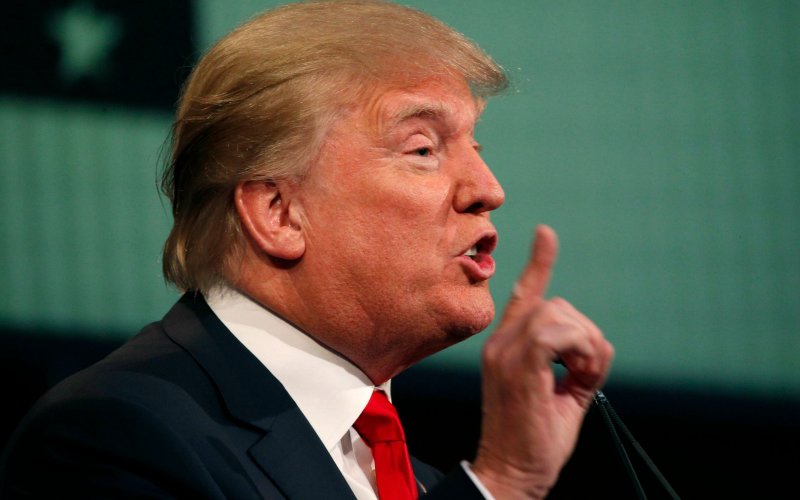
(518, 292)
(548, 311)
(550, 315)
(609, 351)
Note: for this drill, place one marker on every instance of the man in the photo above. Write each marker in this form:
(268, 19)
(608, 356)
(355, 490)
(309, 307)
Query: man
(331, 228)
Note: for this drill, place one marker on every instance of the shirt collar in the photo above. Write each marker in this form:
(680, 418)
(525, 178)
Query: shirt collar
(329, 389)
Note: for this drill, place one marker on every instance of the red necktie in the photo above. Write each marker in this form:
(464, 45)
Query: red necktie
(379, 427)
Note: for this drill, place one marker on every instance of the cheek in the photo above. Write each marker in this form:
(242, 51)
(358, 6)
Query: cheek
(411, 219)
(382, 220)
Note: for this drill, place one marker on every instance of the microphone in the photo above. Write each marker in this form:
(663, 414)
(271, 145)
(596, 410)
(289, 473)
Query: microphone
(611, 418)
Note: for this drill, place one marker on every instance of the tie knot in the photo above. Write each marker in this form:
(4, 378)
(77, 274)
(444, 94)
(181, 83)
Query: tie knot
(379, 421)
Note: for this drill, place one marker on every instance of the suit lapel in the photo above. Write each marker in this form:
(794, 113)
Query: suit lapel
(283, 455)
(425, 475)
(290, 453)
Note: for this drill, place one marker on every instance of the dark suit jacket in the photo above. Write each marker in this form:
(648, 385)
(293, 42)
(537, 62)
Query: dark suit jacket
(182, 410)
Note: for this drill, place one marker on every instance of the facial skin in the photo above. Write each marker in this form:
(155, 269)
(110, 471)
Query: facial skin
(397, 196)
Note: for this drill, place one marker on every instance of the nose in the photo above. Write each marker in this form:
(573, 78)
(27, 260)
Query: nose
(477, 190)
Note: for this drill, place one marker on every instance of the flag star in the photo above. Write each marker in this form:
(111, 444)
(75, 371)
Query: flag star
(86, 38)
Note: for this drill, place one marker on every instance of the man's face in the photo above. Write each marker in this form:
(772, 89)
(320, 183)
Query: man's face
(396, 208)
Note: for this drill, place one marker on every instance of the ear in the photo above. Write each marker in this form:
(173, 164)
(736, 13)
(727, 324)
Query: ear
(270, 219)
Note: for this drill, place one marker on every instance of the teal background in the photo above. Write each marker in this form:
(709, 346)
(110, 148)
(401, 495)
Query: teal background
(660, 139)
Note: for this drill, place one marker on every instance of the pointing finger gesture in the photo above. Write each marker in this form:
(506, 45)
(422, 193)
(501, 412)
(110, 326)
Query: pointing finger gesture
(530, 420)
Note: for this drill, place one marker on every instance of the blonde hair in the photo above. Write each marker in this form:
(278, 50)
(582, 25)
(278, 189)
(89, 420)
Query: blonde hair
(258, 104)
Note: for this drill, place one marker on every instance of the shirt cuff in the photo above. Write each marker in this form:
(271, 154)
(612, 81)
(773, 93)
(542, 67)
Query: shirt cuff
(478, 484)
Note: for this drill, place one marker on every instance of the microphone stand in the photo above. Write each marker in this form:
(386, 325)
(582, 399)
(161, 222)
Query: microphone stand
(611, 419)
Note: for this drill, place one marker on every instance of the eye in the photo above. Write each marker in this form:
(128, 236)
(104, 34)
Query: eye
(423, 152)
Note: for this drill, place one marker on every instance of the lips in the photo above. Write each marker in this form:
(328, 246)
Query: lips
(477, 259)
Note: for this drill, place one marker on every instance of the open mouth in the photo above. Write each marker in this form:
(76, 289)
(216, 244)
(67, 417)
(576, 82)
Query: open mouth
(480, 265)
(483, 247)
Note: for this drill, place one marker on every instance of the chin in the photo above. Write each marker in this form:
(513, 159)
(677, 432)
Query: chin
(471, 319)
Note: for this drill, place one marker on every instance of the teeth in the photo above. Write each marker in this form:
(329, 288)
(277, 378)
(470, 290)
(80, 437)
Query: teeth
(472, 252)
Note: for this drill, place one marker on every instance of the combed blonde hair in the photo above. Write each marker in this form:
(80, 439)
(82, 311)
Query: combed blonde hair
(259, 103)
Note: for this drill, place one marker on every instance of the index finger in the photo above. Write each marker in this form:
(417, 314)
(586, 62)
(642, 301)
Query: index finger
(535, 278)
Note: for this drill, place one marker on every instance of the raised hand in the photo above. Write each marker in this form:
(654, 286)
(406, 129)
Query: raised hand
(531, 420)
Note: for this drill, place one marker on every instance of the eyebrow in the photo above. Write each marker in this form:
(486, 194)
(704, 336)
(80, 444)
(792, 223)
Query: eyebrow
(431, 111)
(435, 111)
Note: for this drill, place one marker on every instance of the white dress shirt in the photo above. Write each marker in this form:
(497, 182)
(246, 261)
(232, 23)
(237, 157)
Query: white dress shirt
(330, 391)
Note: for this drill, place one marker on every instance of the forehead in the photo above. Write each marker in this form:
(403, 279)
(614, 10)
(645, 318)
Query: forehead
(448, 102)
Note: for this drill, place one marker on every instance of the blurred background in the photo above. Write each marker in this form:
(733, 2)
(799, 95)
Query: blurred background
(661, 139)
